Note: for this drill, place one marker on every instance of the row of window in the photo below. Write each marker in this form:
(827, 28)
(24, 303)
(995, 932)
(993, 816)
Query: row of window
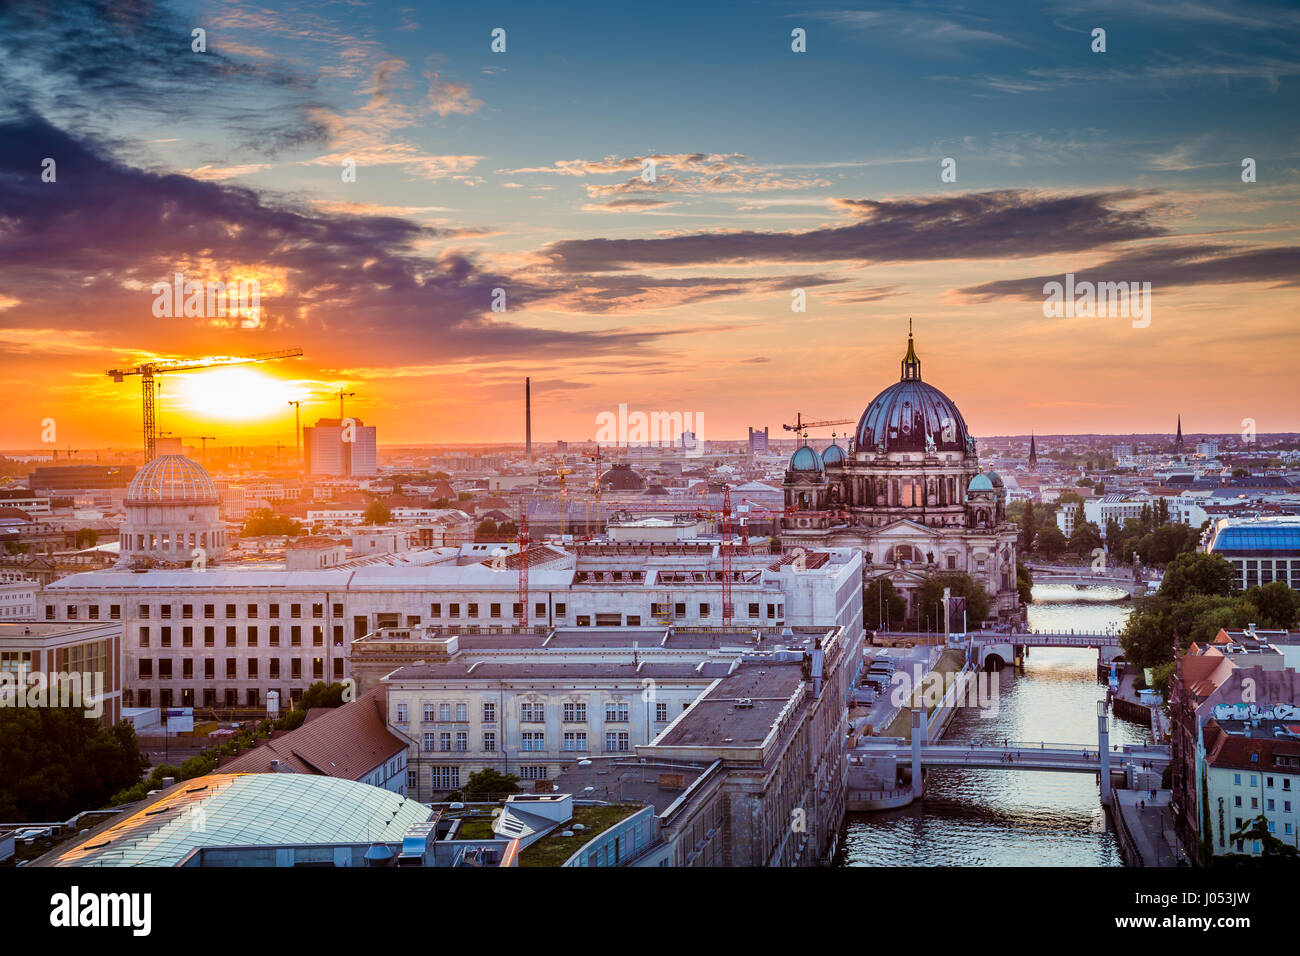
(1268, 781)
(574, 741)
(530, 712)
(187, 697)
(252, 638)
(209, 666)
(164, 612)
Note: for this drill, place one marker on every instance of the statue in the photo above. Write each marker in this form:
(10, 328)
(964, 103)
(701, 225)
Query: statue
(930, 447)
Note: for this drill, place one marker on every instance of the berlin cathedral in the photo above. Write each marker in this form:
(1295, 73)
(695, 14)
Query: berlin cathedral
(909, 494)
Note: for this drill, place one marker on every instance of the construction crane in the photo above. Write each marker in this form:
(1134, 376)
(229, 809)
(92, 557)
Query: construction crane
(802, 426)
(523, 566)
(297, 429)
(202, 439)
(148, 371)
(342, 395)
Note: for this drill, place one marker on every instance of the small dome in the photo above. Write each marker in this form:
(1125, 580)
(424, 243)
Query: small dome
(806, 460)
(834, 457)
(980, 483)
(172, 479)
(995, 478)
(621, 477)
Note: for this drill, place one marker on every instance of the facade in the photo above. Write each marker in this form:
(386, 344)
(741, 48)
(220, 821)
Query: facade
(1261, 549)
(225, 637)
(1252, 769)
(89, 654)
(340, 446)
(908, 494)
(17, 597)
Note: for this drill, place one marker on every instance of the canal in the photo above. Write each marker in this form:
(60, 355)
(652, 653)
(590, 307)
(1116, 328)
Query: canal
(995, 818)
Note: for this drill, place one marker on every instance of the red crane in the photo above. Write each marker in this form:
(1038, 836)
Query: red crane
(523, 566)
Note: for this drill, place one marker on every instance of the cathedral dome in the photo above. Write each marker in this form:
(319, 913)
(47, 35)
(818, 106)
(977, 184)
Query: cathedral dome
(172, 479)
(996, 479)
(621, 477)
(834, 456)
(909, 415)
(806, 460)
(980, 483)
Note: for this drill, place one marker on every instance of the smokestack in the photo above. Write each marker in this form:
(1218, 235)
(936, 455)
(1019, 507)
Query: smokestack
(528, 418)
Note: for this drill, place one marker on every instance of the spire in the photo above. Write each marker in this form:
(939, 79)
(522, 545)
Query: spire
(1178, 439)
(911, 365)
(1033, 452)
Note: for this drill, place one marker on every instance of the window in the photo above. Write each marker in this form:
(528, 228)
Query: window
(1236, 780)
(166, 637)
(445, 778)
(165, 669)
(274, 638)
(575, 740)
(473, 610)
(295, 635)
(187, 637)
(753, 610)
(252, 636)
(462, 741)
(166, 612)
(209, 611)
(275, 610)
(618, 741)
(435, 610)
(187, 611)
(428, 713)
(489, 741)
(534, 740)
(209, 637)
(532, 713)
(453, 610)
(444, 712)
(560, 609)
(146, 668)
(144, 637)
(680, 609)
(494, 610)
(427, 742)
(444, 741)
(252, 611)
(575, 713)
(462, 713)
(532, 773)
(489, 713)
(275, 668)
(230, 668)
(401, 716)
(187, 668)
(295, 668)
(704, 610)
(540, 609)
(295, 610)
(661, 711)
(230, 636)
(412, 778)
(318, 610)
(230, 611)
(252, 668)
(616, 711)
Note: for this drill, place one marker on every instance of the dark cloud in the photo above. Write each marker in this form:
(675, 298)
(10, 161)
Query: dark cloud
(1165, 267)
(1000, 224)
(83, 60)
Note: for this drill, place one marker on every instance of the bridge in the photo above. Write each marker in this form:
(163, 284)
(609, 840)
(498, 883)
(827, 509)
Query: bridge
(1085, 576)
(1017, 638)
(1014, 755)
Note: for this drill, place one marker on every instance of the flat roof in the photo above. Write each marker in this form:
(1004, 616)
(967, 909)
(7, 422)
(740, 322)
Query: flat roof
(620, 780)
(715, 720)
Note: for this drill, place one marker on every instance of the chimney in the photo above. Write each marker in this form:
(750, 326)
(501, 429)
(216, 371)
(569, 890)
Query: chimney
(528, 419)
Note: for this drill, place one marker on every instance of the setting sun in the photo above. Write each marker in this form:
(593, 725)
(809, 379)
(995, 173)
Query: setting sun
(229, 394)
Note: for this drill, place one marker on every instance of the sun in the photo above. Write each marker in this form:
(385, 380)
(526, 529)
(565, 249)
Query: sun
(230, 394)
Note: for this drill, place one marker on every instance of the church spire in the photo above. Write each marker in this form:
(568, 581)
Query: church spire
(1178, 439)
(911, 365)
(1033, 452)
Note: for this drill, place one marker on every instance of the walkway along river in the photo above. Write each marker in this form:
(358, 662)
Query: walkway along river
(996, 818)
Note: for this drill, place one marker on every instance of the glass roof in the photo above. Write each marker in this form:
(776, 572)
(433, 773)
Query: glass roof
(256, 809)
(1258, 538)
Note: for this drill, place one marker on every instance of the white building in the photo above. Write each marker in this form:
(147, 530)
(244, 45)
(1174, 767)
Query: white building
(344, 447)
(17, 597)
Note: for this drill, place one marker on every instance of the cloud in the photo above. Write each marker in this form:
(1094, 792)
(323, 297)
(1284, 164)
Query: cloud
(627, 205)
(1001, 224)
(447, 97)
(1165, 266)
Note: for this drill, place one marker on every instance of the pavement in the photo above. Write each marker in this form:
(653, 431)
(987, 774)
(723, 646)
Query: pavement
(1149, 823)
(882, 710)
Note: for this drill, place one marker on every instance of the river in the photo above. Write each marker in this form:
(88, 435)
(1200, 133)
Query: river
(1002, 818)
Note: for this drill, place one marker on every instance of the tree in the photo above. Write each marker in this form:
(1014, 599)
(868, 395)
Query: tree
(1278, 605)
(882, 605)
(486, 531)
(1240, 473)
(1024, 582)
(489, 785)
(960, 584)
(378, 513)
(1028, 529)
(1085, 539)
(321, 694)
(1271, 849)
(507, 529)
(87, 537)
(1051, 542)
(58, 762)
(1198, 573)
(264, 521)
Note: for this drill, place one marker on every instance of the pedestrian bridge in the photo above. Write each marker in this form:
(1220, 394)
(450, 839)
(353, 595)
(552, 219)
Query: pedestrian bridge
(1013, 755)
(1078, 576)
(1019, 638)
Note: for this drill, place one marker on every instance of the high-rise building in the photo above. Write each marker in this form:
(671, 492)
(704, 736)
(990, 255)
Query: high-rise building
(343, 447)
(757, 442)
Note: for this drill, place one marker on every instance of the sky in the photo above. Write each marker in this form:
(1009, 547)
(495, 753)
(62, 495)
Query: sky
(431, 219)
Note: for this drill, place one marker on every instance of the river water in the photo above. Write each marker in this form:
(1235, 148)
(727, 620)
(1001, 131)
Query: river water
(1002, 818)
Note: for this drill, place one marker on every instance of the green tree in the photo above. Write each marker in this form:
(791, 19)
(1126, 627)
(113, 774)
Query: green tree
(1278, 605)
(87, 537)
(1028, 528)
(960, 584)
(488, 785)
(378, 513)
(1240, 473)
(1024, 582)
(486, 531)
(507, 529)
(1271, 849)
(1085, 539)
(264, 521)
(1051, 542)
(1198, 573)
(882, 605)
(57, 762)
(321, 694)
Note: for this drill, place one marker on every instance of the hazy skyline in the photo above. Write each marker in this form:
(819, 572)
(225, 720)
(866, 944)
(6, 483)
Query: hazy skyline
(774, 171)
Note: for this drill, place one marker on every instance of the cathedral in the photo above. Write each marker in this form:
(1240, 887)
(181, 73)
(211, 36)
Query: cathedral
(909, 494)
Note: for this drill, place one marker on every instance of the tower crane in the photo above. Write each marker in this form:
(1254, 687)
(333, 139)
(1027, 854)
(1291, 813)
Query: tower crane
(148, 371)
(202, 439)
(802, 426)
